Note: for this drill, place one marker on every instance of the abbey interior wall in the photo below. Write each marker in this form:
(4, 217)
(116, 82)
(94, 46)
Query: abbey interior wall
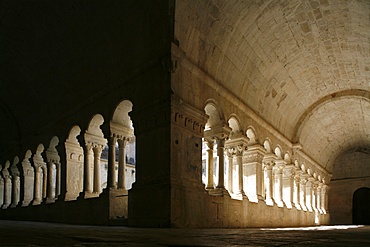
(192, 205)
(350, 174)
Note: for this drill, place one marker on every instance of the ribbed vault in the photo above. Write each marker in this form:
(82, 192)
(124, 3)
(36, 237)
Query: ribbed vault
(285, 60)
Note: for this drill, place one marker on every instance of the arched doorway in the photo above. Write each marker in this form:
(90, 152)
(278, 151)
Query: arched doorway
(361, 207)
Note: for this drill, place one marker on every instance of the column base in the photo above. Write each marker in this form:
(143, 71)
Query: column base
(50, 200)
(239, 196)
(288, 204)
(269, 202)
(90, 195)
(219, 192)
(279, 203)
(36, 202)
(253, 198)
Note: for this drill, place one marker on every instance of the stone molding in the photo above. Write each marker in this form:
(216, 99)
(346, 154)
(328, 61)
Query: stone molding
(188, 117)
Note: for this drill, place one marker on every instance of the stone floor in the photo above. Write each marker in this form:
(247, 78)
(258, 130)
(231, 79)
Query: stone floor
(16, 233)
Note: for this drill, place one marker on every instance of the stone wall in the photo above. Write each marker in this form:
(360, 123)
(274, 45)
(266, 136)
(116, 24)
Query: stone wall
(351, 172)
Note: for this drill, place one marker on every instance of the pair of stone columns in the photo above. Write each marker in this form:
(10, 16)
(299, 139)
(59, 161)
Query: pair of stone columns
(112, 172)
(92, 168)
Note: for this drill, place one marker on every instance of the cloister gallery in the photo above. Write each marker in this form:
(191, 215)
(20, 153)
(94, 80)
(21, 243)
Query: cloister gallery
(188, 114)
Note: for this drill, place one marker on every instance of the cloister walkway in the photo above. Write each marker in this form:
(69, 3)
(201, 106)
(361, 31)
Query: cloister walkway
(21, 233)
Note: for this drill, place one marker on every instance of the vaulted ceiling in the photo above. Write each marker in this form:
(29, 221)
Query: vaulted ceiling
(303, 66)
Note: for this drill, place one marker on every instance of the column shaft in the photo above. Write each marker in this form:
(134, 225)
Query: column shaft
(112, 172)
(97, 182)
(210, 165)
(88, 182)
(230, 173)
(122, 163)
(268, 184)
(221, 164)
(51, 189)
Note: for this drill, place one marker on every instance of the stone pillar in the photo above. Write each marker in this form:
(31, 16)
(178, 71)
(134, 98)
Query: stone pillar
(268, 163)
(230, 170)
(253, 157)
(237, 145)
(1, 190)
(221, 164)
(296, 190)
(15, 183)
(44, 181)
(58, 182)
(269, 183)
(309, 194)
(239, 162)
(313, 196)
(122, 163)
(288, 185)
(324, 198)
(318, 197)
(302, 192)
(88, 160)
(97, 181)
(28, 179)
(112, 173)
(210, 166)
(278, 182)
(16, 190)
(37, 196)
(51, 186)
(7, 190)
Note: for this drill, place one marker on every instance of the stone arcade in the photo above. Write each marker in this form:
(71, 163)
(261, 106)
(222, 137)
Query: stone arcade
(188, 114)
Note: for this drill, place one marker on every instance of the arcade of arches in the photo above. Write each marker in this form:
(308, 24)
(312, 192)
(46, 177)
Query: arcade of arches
(185, 113)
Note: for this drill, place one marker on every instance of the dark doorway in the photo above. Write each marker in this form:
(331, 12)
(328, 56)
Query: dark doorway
(361, 207)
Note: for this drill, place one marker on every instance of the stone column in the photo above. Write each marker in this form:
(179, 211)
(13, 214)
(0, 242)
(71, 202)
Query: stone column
(51, 188)
(15, 194)
(1, 190)
(58, 180)
(221, 163)
(318, 197)
(253, 157)
(278, 182)
(112, 173)
(88, 182)
(210, 166)
(230, 170)
(45, 181)
(309, 194)
(122, 163)
(313, 196)
(296, 189)
(288, 185)
(324, 198)
(7, 191)
(239, 162)
(97, 181)
(269, 183)
(37, 196)
(302, 192)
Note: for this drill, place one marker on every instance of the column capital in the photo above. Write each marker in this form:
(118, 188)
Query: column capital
(237, 146)
(219, 132)
(254, 153)
(269, 160)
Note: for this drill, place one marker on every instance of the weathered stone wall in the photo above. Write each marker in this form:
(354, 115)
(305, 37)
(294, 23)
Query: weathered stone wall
(351, 172)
